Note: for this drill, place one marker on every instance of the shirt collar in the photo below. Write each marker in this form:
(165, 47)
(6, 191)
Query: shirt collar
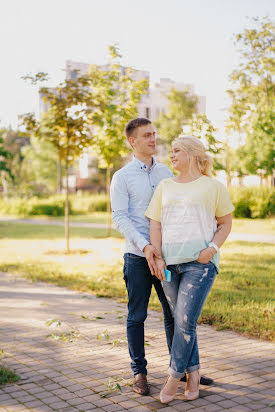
(142, 165)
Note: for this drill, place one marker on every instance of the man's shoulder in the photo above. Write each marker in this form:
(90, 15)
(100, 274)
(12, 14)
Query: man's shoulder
(124, 170)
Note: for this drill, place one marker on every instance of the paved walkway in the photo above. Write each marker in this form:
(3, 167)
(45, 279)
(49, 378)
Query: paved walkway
(249, 237)
(84, 362)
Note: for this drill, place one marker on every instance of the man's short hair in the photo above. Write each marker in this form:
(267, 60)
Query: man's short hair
(134, 124)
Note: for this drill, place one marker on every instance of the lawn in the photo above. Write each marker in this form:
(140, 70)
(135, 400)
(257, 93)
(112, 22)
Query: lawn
(255, 226)
(242, 298)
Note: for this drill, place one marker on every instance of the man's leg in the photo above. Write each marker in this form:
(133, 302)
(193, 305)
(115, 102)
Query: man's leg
(138, 282)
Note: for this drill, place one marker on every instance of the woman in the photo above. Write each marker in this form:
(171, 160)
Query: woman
(190, 220)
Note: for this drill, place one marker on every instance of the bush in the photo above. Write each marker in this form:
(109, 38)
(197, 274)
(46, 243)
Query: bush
(89, 203)
(253, 202)
(249, 202)
(53, 206)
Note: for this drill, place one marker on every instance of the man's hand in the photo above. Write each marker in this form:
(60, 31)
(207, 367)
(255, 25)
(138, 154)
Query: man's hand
(206, 255)
(150, 253)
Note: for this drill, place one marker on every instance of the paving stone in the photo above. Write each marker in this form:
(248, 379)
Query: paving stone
(211, 408)
(75, 401)
(102, 402)
(113, 407)
(214, 398)
(61, 376)
(86, 407)
(227, 404)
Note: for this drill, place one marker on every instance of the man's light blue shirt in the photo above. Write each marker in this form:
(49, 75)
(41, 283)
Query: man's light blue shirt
(132, 188)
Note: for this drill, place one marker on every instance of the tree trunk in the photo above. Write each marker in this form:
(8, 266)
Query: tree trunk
(228, 179)
(67, 228)
(59, 175)
(109, 218)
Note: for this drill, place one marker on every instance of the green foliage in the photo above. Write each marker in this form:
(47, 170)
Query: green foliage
(253, 202)
(7, 375)
(182, 105)
(4, 156)
(249, 202)
(117, 92)
(39, 165)
(111, 386)
(89, 203)
(253, 96)
(53, 206)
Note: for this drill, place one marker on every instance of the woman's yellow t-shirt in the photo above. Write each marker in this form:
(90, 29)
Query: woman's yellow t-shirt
(187, 212)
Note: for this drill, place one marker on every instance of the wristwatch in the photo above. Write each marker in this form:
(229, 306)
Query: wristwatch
(212, 244)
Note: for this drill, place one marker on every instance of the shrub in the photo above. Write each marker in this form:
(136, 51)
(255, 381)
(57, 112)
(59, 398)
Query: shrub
(254, 201)
(89, 203)
(53, 206)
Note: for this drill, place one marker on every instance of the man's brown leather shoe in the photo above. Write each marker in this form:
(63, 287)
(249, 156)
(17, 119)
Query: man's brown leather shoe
(140, 385)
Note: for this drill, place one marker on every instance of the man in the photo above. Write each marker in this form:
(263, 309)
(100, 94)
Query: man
(131, 190)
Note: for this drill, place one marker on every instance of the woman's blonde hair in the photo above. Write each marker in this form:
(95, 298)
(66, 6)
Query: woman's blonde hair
(194, 147)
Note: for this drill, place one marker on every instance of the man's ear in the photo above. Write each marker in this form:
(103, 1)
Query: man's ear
(131, 140)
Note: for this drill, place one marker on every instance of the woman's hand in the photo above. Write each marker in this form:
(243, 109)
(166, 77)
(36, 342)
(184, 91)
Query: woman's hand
(160, 264)
(206, 255)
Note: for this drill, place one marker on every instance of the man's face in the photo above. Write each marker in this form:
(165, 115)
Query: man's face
(143, 140)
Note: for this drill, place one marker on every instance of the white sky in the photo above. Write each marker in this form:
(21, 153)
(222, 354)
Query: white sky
(190, 41)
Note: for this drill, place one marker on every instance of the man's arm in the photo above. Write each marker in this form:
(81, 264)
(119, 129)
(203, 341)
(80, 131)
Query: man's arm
(120, 214)
(156, 240)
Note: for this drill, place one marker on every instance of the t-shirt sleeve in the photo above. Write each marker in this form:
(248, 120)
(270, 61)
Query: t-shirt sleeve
(224, 205)
(153, 211)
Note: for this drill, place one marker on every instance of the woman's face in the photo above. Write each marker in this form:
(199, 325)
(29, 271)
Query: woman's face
(179, 158)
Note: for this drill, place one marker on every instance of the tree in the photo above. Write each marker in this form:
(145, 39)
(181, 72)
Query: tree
(118, 93)
(40, 164)
(201, 127)
(251, 113)
(5, 155)
(182, 105)
(65, 124)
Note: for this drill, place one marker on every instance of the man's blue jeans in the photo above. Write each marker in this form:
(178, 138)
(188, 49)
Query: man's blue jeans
(139, 281)
(186, 293)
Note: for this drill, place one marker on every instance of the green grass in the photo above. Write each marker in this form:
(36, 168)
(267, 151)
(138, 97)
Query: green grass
(256, 226)
(7, 376)
(242, 297)
(12, 230)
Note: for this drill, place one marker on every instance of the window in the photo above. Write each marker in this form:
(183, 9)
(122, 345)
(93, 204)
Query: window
(147, 112)
(73, 74)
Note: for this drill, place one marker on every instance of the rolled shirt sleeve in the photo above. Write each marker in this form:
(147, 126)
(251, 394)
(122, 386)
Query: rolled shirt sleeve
(120, 214)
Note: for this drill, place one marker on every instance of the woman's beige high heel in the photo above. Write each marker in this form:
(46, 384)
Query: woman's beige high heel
(191, 396)
(168, 397)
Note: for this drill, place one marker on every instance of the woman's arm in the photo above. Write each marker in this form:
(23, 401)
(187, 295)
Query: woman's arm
(223, 230)
(155, 239)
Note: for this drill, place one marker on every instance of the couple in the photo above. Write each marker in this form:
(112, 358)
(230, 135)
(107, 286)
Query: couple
(170, 222)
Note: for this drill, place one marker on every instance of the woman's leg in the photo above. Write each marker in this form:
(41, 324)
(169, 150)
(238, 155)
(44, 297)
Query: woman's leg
(167, 314)
(194, 281)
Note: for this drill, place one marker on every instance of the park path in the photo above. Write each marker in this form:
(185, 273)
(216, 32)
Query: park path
(83, 374)
(249, 237)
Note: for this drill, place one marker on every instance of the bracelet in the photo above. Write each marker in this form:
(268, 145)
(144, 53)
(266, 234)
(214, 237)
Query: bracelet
(212, 244)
